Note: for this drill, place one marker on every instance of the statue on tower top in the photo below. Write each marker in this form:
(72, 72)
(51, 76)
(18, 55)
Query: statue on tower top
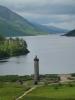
(36, 58)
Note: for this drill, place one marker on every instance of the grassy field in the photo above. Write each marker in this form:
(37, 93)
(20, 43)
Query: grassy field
(65, 92)
(10, 91)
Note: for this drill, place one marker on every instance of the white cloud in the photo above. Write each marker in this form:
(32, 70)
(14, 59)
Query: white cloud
(54, 12)
(64, 21)
(38, 1)
(64, 25)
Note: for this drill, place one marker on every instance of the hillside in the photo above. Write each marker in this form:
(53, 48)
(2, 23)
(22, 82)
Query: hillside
(12, 24)
(49, 29)
(71, 33)
(54, 29)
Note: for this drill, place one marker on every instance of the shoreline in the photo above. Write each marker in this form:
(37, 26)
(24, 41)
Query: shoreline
(5, 58)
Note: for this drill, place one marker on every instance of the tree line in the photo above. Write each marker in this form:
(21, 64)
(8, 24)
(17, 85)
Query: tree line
(12, 47)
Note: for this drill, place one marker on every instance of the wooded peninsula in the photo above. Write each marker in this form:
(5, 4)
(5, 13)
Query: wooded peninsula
(12, 47)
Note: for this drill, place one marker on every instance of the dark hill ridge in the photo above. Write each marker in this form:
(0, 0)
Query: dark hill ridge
(12, 24)
(71, 33)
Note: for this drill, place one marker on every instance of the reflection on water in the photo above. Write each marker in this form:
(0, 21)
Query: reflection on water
(3, 61)
(56, 54)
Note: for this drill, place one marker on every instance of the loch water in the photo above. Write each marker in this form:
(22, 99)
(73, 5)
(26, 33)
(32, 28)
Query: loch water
(56, 56)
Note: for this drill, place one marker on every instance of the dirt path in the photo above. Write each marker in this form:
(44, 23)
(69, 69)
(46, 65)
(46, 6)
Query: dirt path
(26, 93)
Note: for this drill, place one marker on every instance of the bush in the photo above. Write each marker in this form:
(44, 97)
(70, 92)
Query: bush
(70, 84)
(1, 84)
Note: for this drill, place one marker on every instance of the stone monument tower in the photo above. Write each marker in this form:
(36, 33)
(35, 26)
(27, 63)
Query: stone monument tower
(36, 70)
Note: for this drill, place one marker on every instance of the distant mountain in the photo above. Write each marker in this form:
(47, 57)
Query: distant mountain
(12, 24)
(71, 33)
(49, 29)
(54, 29)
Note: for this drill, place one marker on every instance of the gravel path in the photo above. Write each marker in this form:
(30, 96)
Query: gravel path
(26, 93)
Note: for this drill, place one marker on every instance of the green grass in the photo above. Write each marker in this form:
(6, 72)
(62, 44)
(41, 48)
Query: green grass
(64, 92)
(10, 91)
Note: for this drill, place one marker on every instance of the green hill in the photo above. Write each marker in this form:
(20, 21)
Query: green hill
(71, 33)
(12, 24)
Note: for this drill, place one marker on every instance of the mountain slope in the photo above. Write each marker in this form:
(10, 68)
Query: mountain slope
(71, 33)
(54, 29)
(50, 29)
(11, 24)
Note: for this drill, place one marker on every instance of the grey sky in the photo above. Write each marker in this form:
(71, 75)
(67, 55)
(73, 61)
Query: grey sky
(60, 13)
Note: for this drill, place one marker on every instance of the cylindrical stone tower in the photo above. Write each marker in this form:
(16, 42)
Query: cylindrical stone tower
(36, 70)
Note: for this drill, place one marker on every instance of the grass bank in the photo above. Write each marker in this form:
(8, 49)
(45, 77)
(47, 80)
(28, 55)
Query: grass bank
(52, 92)
(10, 91)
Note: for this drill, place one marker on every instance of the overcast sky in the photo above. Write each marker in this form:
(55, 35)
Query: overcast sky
(60, 13)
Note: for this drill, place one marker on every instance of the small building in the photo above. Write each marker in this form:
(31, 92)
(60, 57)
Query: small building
(64, 77)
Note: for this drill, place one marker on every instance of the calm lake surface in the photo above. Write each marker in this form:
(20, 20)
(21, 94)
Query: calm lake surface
(56, 55)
